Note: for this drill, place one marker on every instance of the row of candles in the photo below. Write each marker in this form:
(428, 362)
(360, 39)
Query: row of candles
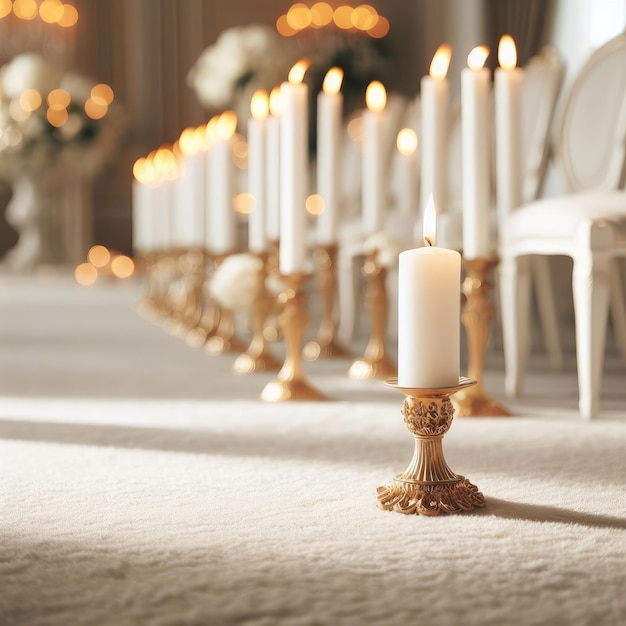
(196, 204)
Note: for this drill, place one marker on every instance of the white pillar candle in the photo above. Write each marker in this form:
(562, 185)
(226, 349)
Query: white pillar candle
(329, 132)
(373, 185)
(257, 231)
(273, 166)
(162, 214)
(507, 79)
(293, 170)
(429, 310)
(476, 156)
(406, 142)
(143, 236)
(221, 223)
(434, 100)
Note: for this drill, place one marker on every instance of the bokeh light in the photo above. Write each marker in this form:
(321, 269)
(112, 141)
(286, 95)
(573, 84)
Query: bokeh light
(122, 266)
(25, 9)
(299, 16)
(244, 203)
(6, 6)
(364, 17)
(102, 93)
(283, 28)
(380, 29)
(70, 16)
(51, 11)
(315, 204)
(343, 17)
(321, 14)
(85, 274)
(58, 99)
(98, 256)
(95, 109)
(30, 100)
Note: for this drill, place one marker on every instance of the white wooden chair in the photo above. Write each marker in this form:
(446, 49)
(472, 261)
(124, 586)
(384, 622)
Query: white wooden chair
(588, 224)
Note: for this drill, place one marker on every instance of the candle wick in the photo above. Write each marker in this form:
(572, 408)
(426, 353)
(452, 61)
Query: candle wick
(428, 241)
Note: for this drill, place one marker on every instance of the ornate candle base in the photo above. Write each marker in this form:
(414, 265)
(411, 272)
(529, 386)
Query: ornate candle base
(324, 346)
(374, 363)
(290, 383)
(476, 318)
(428, 486)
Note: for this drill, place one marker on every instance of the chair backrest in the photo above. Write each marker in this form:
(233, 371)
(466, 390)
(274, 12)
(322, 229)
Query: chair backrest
(590, 149)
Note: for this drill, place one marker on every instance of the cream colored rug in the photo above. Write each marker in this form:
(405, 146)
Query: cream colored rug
(142, 483)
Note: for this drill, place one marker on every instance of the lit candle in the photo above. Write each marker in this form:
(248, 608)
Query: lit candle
(476, 155)
(373, 196)
(429, 310)
(143, 237)
(434, 98)
(406, 143)
(293, 170)
(273, 166)
(329, 114)
(221, 223)
(257, 233)
(507, 79)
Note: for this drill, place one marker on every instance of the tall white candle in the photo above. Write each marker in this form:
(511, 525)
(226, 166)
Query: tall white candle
(429, 311)
(507, 79)
(434, 95)
(143, 236)
(257, 232)
(273, 166)
(476, 155)
(293, 170)
(329, 115)
(221, 224)
(373, 184)
(406, 142)
(164, 163)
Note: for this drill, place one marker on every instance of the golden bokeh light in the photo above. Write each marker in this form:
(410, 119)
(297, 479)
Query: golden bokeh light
(244, 203)
(98, 256)
(122, 266)
(70, 16)
(17, 112)
(85, 274)
(51, 11)
(477, 57)
(30, 100)
(283, 28)
(321, 14)
(380, 29)
(188, 142)
(376, 96)
(315, 204)
(275, 101)
(25, 9)
(364, 17)
(299, 16)
(507, 53)
(164, 161)
(102, 92)
(6, 6)
(406, 141)
(58, 99)
(342, 16)
(140, 170)
(226, 125)
(95, 109)
(56, 117)
(240, 149)
(297, 72)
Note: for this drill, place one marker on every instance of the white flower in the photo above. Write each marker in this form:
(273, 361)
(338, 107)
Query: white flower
(235, 283)
(29, 71)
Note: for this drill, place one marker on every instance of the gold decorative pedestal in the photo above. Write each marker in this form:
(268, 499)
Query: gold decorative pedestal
(428, 486)
(290, 383)
(324, 346)
(476, 318)
(374, 363)
(148, 306)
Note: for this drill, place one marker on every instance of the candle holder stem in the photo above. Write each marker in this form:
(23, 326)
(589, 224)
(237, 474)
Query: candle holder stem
(324, 346)
(428, 486)
(208, 313)
(374, 363)
(148, 305)
(476, 317)
(290, 383)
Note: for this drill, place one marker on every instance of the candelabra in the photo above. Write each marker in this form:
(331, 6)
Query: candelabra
(476, 317)
(324, 346)
(290, 383)
(374, 363)
(428, 486)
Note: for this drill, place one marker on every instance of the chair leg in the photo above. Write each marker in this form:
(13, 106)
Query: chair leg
(515, 311)
(618, 308)
(590, 283)
(547, 310)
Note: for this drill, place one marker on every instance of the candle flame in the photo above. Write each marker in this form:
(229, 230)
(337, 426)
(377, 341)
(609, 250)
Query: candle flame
(165, 161)
(406, 141)
(296, 73)
(275, 102)
(140, 170)
(211, 129)
(332, 80)
(441, 62)
(507, 53)
(202, 138)
(259, 104)
(376, 96)
(477, 57)
(430, 222)
(226, 125)
(188, 142)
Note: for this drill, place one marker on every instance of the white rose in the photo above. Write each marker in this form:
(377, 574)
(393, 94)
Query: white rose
(29, 71)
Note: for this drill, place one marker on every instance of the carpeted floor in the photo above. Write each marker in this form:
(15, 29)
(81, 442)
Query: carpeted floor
(143, 483)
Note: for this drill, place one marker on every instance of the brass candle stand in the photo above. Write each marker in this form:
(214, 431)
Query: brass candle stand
(476, 318)
(374, 363)
(258, 357)
(324, 345)
(428, 486)
(290, 383)
(148, 305)
(208, 318)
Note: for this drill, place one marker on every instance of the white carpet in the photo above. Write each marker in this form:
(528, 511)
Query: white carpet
(142, 483)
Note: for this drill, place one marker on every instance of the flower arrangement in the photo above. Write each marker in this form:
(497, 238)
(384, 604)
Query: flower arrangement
(53, 120)
(235, 283)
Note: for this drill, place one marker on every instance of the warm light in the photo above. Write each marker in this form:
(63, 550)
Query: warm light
(102, 92)
(17, 112)
(430, 222)
(70, 16)
(95, 109)
(226, 125)
(202, 139)
(85, 274)
(51, 11)
(406, 141)
(211, 129)
(188, 142)
(477, 57)
(30, 100)
(375, 96)
(6, 7)
(321, 14)
(296, 73)
(441, 62)
(140, 170)
(259, 104)
(332, 80)
(299, 16)
(122, 266)
(164, 161)
(275, 102)
(507, 53)
(244, 203)
(364, 17)
(240, 149)
(25, 9)
(58, 99)
(315, 204)
(343, 17)
(56, 117)
(283, 28)
(98, 256)
(380, 29)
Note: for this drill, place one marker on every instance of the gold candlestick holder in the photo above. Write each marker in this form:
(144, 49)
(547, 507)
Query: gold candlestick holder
(290, 383)
(428, 486)
(476, 318)
(324, 346)
(258, 358)
(148, 305)
(374, 363)
(209, 312)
